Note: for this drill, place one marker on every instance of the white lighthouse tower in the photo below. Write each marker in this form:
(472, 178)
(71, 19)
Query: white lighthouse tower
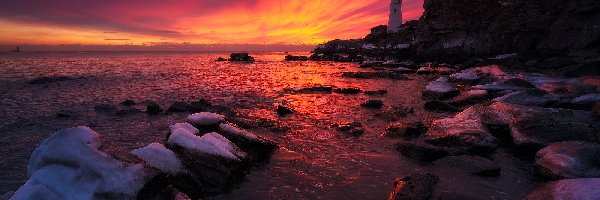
(395, 16)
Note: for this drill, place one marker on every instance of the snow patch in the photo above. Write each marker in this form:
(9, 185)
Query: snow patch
(184, 127)
(205, 119)
(157, 155)
(237, 131)
(210, 143)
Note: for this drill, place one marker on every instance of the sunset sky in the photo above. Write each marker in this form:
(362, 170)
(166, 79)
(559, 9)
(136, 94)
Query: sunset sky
(148, 22)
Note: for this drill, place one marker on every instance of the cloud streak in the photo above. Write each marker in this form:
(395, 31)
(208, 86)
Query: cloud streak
(206, 21)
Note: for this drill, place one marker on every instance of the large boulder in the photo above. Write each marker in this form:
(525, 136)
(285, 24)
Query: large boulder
(566, 160)
(568, 189)
(414, 187)
(440, 89)
(76, 163)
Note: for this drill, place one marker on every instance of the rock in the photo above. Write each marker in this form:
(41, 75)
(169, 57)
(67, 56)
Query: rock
(375, 75)
(258, 148)
(421, 152)
(535, 127)
(353, 128)
(316, 89)
(221, 59)
(395, 113)
(178, 107)
(584, 102)
(466, 77)
(347, 90)
(241, 57)
(425, 70)
(566, 86)
(569, 160)
(568, 189)
(153, 109)
(105, 108)
(532, 97)
(470, 164)
(404, 70)
(128, 102)
(440, 89)
(205, 119)
(201, 105)
(128, 111)
(514, 84)
(77, 159)
(372, 104)
(283, 110)
(158, 156)
(414, 187)
(47, 80)
(470, 97)
(404, 130)
(376, 92)
(440, 106)
(296, 58)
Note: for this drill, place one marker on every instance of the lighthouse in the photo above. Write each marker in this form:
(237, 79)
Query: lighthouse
(395, 20)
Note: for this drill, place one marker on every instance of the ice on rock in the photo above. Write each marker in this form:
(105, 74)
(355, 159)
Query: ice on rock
(440, 88)
(157, 155)
(235, 130)
(466, 76)
(205, 119)
(210, 143)
(185, 127)
(70, 164)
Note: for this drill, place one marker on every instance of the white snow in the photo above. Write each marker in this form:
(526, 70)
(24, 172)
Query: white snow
(70, 165)
(157, 155)
(440, 86)
(235, 130)
(205, 119)
(210, 143)
(184, 127)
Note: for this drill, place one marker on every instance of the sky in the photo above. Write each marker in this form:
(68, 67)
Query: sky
(167, 22)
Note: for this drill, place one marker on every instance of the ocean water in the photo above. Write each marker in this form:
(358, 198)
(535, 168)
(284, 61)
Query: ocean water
(315, 161)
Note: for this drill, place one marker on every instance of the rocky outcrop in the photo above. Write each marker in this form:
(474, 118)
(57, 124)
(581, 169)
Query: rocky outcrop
(566, 160)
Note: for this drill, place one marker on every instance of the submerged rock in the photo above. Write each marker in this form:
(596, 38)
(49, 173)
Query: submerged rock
(316, 89)
(566, 160)
(376, 92)
(241, 57)
(283, 110)
(105, 108)
(353, 128)
(440, 89)
(414, 187)
(514, 84)
(372, 104)
(404, 130)
(568, 189)
(470, 164)
(128, 102)
(128, 111)
(47, 80)
(347, 90)
(296, 58)
(77, 159)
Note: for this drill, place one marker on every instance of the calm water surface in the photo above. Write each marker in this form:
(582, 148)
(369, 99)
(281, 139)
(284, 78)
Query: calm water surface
(315, 161)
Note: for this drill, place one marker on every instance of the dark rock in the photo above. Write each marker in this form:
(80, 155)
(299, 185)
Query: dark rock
(376, 92)
(584, 102)
(199, 106)
(470, 97)
(395, 113)
(440, 106)
(153, 108)
(128, 102)
(296, 58)
(105, 108)
(405, 130)
(283, 110)
(221, 59)
(241, 57)
(466, 77)
(47, 80)
(347, 90)
(375, 75)
(421, 152)
(568, 189)
(514, 84)
(258, 148)
(178, 106)
(353, 128)
(257, 122)
(372, 104)
(67, 114)
(567, 160)
(470, 164)
(596, 108)
(317, 89)
(414, 187)
(440, 89)
(128, 111)
(532, 97)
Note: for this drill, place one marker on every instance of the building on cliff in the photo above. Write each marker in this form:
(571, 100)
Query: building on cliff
(395, 20)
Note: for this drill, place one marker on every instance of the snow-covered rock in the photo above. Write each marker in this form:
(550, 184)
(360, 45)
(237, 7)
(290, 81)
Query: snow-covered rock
(514, 84)
(568, 189)
(565, 160)
(533, 97)
(75, 163)
(157, 155)
(440, 89)
(404, 70)
(184, 127)
(465, 77)
(256, 146)
(210, 143)
(205, 119)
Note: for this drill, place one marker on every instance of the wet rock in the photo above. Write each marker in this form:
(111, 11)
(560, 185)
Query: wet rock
(568, 189)
(258, 148)
(153, 109)
(353, 128)
(470, 164)
(440, 106)
(105, 108)
(514, 84)
(470, 97)
(199, 106)
(414, 187)
(77, 159)
(376, 92)
(47, 80)
(316, 89)
(440, 89)
(283, 110)
(178, 106)
(347, 90)
(532, 97)
(421, 151)
(405, 130)
(128, 111)
(535, 127)
(221, 59)
(241, 57)
(375, 75)
(466, 77)
(296, 58)
(128, 102)
(372, 104)
(567, 160)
